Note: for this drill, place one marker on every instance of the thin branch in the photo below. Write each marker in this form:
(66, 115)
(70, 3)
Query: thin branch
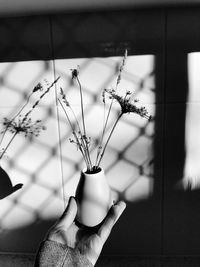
(83, 122)
(111, 132)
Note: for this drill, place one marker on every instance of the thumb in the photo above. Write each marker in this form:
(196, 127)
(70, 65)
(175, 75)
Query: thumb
(68, 216)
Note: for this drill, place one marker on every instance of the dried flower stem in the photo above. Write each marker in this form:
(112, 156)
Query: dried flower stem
(18, 113)
(38, 101)
(68, 119)
(101, 140)
(4, 151)
(82, 111)
(84, 129)
(127, 105)
(81, 145)
(24, 123)
(111, 132)
(111, 103)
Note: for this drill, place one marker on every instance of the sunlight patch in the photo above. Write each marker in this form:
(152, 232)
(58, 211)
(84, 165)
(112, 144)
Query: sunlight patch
(191, 179)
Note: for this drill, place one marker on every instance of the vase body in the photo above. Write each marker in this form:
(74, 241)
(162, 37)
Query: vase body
(93, 196)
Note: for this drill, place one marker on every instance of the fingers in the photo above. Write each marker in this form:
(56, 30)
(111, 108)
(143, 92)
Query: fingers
(112, 217)
(68, 216)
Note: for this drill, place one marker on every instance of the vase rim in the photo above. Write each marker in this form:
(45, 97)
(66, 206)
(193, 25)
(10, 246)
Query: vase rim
(85, 169)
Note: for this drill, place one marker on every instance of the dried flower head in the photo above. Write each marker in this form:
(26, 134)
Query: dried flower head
(75, 72)
(80, 140)
(38, 87)
(24, 125)
(127, 103)
(121, 67)
(63, 97)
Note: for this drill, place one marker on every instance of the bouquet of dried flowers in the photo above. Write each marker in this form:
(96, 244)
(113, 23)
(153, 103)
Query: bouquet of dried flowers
(23, 123)
(127, 103)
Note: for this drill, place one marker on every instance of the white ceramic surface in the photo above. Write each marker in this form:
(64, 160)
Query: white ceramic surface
(93, 197)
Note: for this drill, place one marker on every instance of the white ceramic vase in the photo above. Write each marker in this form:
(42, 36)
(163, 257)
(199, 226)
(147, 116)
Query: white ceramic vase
(93, 196)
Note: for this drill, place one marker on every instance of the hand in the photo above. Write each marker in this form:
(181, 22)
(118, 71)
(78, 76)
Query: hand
(89, 241)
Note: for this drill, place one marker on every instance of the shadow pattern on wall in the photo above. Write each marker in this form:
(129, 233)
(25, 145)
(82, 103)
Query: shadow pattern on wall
(36, 162)
(168, 219)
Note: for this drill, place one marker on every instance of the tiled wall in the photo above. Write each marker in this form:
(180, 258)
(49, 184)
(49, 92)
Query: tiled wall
(145, 167)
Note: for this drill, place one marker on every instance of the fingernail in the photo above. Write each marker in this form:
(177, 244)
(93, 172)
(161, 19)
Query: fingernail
(122, 204)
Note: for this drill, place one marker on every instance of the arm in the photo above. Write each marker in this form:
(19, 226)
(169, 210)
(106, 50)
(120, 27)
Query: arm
(55, 254)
